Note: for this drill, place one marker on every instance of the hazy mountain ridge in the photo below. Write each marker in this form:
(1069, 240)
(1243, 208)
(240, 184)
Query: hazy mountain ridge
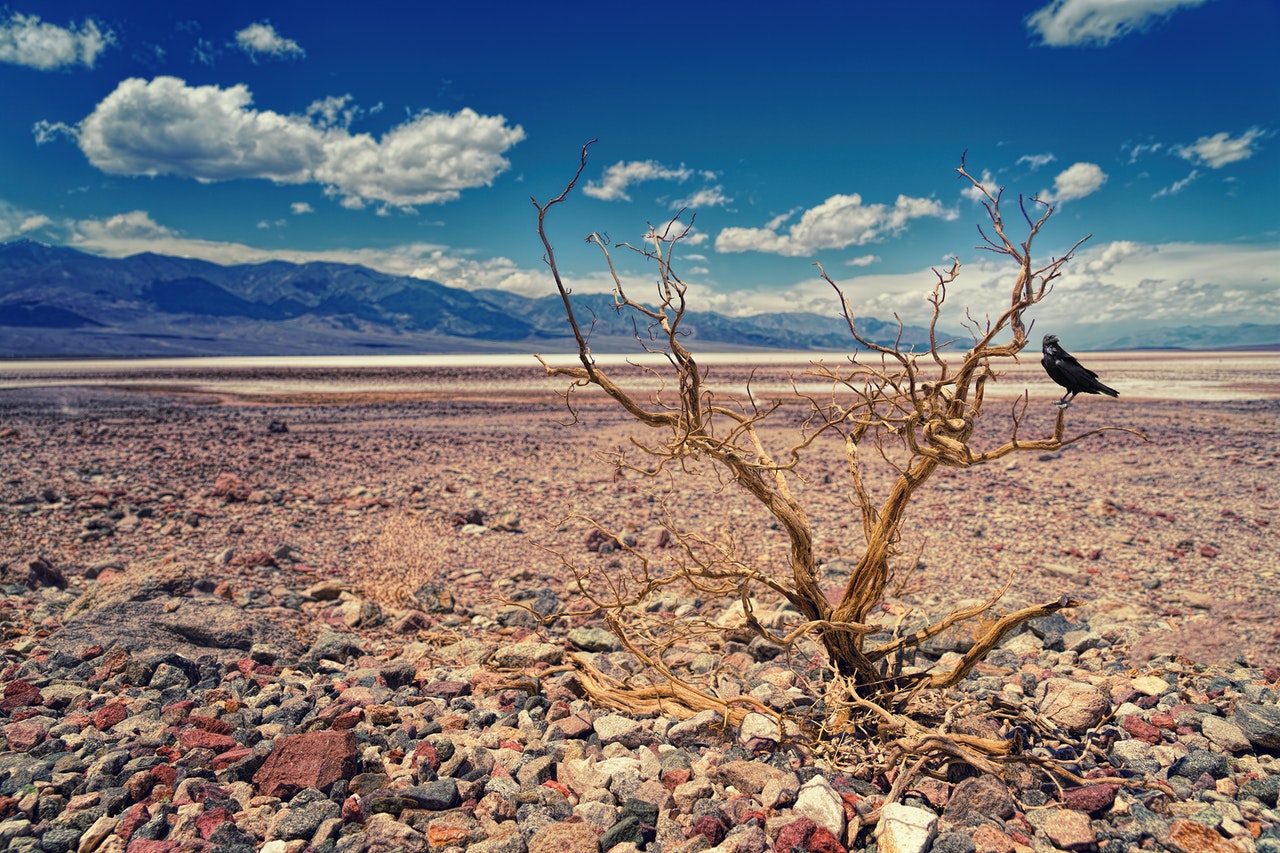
(60, 302)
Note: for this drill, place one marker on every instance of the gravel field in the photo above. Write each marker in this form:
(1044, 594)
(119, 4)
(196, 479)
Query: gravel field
(262, 512)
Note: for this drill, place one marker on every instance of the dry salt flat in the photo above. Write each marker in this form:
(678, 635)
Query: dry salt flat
(267, 608)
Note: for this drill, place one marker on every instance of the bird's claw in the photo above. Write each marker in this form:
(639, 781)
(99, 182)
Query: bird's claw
(1062, 404)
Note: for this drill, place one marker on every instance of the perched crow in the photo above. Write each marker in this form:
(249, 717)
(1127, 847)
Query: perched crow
(1063, 368)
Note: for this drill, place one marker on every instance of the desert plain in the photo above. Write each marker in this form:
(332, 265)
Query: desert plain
(209, 566)
(361, 469)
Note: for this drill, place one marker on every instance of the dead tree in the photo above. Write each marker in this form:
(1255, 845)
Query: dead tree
(914, 412)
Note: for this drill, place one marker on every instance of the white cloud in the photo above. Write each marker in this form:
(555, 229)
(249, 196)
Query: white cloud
(1035, 161)
(1077, 181)
(15, 222)
(703, 198)
(166, 127)
(1070, 23)
(988, 182)
(262, 40)
(840, 221)
(26, 40)
(1177, 186)
(301, 207)
(618, 177)
(1105, 292)
(863, 261)
(1220, 149)
(1137, 150)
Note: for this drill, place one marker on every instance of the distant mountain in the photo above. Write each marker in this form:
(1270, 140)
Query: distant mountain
(59, 302)
(1241, 336)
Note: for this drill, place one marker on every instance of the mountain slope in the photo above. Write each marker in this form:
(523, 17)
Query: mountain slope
(58, 302)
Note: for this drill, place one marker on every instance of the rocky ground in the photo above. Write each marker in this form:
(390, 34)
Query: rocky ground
(287, 623)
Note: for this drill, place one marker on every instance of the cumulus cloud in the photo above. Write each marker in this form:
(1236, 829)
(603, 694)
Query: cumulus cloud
(15, 222)
(1077, 181)
(617, 178)
(261, 39)
(166, 127)
(26, 40)
(1220, 149)
(1105, 293)
(840, 221)
(1072, 23)
(134, 225)
(301, 207)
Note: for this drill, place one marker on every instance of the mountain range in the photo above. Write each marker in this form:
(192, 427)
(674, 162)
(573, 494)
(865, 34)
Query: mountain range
(57, 302)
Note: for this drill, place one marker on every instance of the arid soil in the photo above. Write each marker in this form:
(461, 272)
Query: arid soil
(374, 484)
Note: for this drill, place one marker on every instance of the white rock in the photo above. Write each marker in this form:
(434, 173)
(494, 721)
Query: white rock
(819, 802)
(757, 725)
(1150, 685)
(905, 829)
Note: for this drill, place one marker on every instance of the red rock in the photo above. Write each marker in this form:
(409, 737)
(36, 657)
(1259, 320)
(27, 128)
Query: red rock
(348, 720)
(1141, 729)
(1164, 721)
(793, 837)
(352, 811)
(1093, 799)
(108, 715)
(211, 724)
(18, 694)
(165, 774)
(25, 734)
(714, 830)
(135, 817)
(223, 760)
(673, 779)
(556, 786)
(200, 739)
(822, 841)
(209, 821)
(309, 760)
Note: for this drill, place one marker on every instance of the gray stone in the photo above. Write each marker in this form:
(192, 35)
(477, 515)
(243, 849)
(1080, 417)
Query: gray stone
(594, 639)
(1224, 734)
(435, 796)
(1260, 724)
(534, 772)
(615, 728)
(702, 729)
(1197, 762)
(527, 654)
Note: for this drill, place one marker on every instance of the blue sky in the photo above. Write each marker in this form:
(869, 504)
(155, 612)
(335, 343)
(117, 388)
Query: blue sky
(411, 140)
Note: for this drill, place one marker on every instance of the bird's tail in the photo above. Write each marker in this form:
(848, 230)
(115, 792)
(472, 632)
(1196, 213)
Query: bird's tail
(1110, 392)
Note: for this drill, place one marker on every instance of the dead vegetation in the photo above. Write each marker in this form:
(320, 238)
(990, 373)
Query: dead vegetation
(893, 417)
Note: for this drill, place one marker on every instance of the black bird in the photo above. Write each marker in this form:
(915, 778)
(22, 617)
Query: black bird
(1063, 368)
